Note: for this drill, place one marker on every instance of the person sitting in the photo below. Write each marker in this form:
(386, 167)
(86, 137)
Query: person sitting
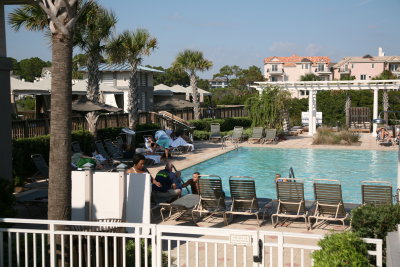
(279, 179)
(139, 167)
(165, 192)
(79, 159)
(194, 183)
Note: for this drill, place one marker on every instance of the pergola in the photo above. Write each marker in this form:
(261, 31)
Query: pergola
(314, 86)
(5, 100)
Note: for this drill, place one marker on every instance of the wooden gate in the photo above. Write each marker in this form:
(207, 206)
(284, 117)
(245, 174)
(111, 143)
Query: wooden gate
(360, 119)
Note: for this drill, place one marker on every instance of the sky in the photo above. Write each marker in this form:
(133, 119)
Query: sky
(243, 33)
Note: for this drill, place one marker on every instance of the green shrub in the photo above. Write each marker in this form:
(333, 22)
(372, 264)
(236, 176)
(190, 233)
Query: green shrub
(22, 149)
(327, 136)
(85, 140)
(205, 135)
(370, 221)
(227, 124)
(130, 253)
(113, 132)
(339, 250)
(7, 199)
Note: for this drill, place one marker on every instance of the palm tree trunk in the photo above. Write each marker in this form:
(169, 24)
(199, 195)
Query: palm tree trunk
(91, 119)
(196, 108)
(93, 90)
(385, 99)
(347, 110)
(133, 98)
(59, 207)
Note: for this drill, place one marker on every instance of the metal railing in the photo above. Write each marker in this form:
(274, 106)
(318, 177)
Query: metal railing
(25, 242)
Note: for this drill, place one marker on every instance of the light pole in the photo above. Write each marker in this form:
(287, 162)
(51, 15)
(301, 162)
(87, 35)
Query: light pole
(379, 120)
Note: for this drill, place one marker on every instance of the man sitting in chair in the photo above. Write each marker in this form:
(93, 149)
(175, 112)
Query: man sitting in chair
(167, 191)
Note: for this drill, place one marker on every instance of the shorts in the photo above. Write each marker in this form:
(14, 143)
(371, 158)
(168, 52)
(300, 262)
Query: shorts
(164, 142)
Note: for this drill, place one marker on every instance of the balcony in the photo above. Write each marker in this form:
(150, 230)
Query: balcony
(344, 71)
(395, 70)
(322, 71)
(278, 71)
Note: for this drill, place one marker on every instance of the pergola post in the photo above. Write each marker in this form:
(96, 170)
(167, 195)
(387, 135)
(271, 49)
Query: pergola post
(375, 111)
(5, 103)
(311, 114)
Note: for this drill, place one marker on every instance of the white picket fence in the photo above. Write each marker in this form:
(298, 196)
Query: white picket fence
(71, 243)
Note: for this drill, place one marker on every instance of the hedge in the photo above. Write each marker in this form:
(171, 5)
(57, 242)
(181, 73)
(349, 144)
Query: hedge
(343, 249)
(227, 124)
(114, 132)
(23, 148)
(371, 221)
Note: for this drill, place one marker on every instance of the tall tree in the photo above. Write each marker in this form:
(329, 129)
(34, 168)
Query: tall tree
(267, 110)
(309, 77)
(227, 72)
(93, 30)
(191, 61)
(170, 77)
(59, 16)
(131, 47)
(30, 68)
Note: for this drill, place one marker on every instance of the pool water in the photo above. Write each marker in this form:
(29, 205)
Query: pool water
(348, 166)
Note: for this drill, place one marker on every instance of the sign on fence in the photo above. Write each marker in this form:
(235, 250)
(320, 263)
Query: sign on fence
(304, 118)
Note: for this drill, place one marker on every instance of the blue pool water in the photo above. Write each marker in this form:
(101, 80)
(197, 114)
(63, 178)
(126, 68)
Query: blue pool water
(349, 166)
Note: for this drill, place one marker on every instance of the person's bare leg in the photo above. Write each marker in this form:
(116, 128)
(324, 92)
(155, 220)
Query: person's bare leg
(166, 154)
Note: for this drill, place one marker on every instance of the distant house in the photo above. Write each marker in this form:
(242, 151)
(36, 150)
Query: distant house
(366, 67)
(41, 90)
(281, 69)
(219, 82)
(117, 75)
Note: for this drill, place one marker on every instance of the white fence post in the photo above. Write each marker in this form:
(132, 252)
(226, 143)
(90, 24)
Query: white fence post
(52, 245)
(280, 250)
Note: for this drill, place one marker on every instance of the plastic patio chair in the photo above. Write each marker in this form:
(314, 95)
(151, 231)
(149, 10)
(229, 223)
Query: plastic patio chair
(41, 166)
(257, 135)
(376, 192)
(212, 198)
(329, 202)
(291, 203)
(244, 197)
(215, 131)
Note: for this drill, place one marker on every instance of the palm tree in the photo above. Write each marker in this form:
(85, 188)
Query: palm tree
(131, 47)
(385, 75)
(92, 31)
(190, 61)
(59, 16)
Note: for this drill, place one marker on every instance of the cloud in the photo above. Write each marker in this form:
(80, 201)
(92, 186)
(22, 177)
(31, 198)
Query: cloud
(283, 48)
(288, 48)
(312, 49)
(364, 2)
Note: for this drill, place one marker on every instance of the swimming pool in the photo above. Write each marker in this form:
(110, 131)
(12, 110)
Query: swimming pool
(349, 166)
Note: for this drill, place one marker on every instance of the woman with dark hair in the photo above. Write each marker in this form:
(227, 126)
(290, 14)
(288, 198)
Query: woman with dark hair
(138, 167)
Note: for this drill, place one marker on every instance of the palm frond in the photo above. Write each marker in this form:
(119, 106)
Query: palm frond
(32, 17)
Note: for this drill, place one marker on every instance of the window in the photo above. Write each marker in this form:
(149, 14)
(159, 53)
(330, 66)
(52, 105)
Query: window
(393, 67)
(372, 65)
(321, 67)
(274, 79)
(363, 77)
(304, 66)
(274, 67)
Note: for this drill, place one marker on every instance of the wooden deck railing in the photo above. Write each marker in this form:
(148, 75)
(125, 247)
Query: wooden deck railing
(38, 127)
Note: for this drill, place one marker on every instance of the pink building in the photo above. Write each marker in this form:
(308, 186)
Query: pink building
(292, 68)
(367, 67)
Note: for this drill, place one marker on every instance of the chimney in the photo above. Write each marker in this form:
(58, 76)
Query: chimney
(380, 52)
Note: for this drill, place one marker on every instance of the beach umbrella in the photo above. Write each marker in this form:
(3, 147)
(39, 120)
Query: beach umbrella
(85, 105)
